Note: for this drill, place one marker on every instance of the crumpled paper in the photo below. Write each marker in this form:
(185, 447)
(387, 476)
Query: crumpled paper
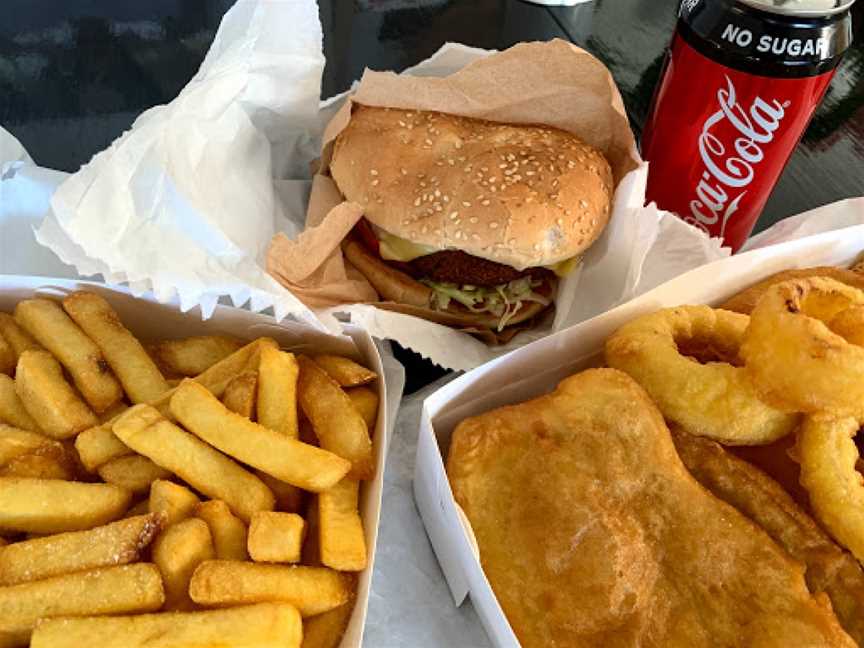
(185, 203)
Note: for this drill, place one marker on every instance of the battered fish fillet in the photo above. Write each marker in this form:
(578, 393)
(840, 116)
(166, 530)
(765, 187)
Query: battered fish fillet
(744, 301)
(829, 569)
(594, 534)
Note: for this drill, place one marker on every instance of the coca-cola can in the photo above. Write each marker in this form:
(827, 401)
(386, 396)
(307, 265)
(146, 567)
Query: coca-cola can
(741, 82)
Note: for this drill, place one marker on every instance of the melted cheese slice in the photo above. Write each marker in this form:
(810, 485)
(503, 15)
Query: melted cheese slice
(394, 248)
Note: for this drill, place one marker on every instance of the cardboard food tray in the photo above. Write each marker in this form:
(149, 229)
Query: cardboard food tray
(150, 320)
(537, 368)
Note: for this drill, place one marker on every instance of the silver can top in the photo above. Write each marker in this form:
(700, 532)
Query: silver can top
(808, 8)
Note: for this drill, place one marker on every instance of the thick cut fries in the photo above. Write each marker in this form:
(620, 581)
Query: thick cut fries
(193, 355)
(340, 534)
(177, 552)
(117, 543)
(265, 625)
(326, 630)
(276, 537)
(134, 473)
(228, 531)
(12, 410)
(173, 501)
(345, 371)
(54, 506)
(366, 402)
(15, 442)
(110, 590)
(140, 508)
(313, 590)
(19, 339)
(338, 425)
(47, 463)
(98, 445)
(53, 329)
(291, 461)
(48, 398)
(289, 499)
(277, 391)
(147, 432)
(136, 371)
(7, 357)
(241, 393)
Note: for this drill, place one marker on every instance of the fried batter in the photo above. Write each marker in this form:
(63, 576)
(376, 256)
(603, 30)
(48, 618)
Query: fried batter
(592, 532)
(744, 301)
(760, 498)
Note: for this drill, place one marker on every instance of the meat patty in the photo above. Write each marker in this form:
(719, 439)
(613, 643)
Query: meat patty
(455, 266)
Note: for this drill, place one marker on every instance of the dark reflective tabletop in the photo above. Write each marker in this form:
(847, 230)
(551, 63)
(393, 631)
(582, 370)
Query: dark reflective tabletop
(75, 74)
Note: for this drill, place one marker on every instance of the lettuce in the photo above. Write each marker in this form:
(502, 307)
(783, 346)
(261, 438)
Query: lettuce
(503, 301)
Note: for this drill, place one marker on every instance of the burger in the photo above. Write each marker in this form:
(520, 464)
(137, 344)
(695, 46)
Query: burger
(468, 223)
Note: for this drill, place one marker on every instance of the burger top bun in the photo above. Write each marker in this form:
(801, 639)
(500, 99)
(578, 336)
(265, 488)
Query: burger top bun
(523, 196)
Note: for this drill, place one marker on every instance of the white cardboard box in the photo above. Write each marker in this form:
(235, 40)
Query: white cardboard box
(148, 319)
(537, 368)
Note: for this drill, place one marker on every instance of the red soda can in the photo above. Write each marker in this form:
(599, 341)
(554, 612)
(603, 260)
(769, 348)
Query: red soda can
(741, 81)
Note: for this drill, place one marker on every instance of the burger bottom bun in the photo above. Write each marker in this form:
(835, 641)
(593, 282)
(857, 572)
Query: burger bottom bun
(465, 319)
(403, 294)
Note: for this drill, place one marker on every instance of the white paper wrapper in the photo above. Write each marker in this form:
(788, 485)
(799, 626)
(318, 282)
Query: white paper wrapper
(537, 368)
(150, 320)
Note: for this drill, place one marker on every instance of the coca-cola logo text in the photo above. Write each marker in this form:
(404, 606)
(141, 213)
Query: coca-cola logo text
(729, 169)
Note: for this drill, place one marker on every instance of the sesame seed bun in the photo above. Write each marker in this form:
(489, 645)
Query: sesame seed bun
(523, 196)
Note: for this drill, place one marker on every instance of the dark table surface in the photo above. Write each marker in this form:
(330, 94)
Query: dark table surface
(74, 75)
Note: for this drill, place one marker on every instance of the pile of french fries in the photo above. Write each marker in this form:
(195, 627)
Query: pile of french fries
(195, 492)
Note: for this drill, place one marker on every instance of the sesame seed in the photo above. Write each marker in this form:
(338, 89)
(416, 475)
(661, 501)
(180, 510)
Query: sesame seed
(560, 222)
(428, 141)
(373, 172)
(402, 123)
(375, 183)
(484, 169)
(485, 203)
(583, 204)
(437, 193)
(493, 188)
(529, 173)
(451, 161)
(493, 179)
(454, 215)
(417, 203)
(445, 198)
(511, 242)
(458, 145)
(493, 225)
(403, 171)
(472, 220)
(502, 166)
(422, 184)
(465, 203)
(475, 236)
(536, 246)
(438, 207)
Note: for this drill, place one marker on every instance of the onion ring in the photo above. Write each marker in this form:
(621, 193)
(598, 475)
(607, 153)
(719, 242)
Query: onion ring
(715, 399)
(828, 458)
(796, 361)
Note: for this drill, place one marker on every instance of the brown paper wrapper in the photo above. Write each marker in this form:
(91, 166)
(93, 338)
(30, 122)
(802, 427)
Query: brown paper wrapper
(553, 83)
